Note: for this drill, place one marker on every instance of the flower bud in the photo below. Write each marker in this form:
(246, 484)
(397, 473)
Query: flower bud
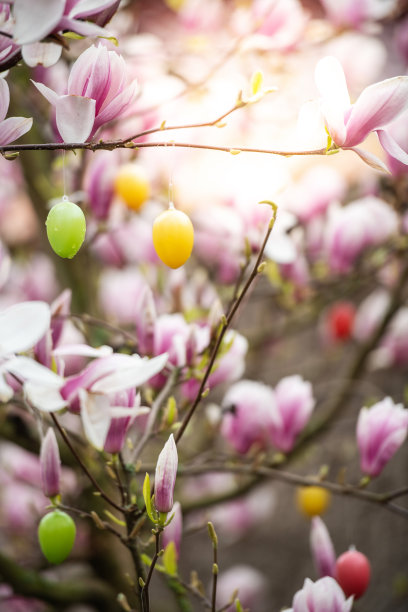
(324, 595)
(322, 548)
(165, 477)
(50, 465)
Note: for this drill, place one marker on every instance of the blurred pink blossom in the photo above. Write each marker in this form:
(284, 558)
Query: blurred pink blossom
(99, 179)
(356, 14)
(294, 405)
(381, 430)
(352, 228)
(250, 412)
(250, 583)
(322, 548)
(174, 531)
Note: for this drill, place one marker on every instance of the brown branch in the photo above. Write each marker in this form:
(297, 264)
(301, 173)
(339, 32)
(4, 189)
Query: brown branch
(83, 466)
(111, 145)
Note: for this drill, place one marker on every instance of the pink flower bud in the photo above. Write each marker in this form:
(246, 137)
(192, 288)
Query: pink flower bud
(295, 402)
(173, 531)
(249, 582)
(165, 477)
(322, 548)
(381, 430)
(324, 595)
(50, 465)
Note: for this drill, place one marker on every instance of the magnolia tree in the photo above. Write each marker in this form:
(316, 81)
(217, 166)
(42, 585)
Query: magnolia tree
(203, 316)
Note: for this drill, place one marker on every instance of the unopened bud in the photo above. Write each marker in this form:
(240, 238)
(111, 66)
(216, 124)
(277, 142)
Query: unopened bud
(50, 465)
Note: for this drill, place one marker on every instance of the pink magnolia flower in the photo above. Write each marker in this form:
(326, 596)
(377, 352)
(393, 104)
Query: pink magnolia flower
(165, 476)
(13, 127)
(377, 106)
(381, 430)
(322, 548)
(294, 405)
(250, 411)
(250, 583)
(352, 228)
(97, 93)
(99, 181)
(57, 15)
(324, 595)
(50, 464)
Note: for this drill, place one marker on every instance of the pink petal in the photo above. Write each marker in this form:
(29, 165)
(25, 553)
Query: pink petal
(392, 147)
(84, 28)
(14, 127)
(85, 8)
(75, 117)
(48, 93)
(43, 54)
(34, 23)
(118, 105)
(129, 377)
(377, 105)
(332, 86)
(4, 98)
(370, 159)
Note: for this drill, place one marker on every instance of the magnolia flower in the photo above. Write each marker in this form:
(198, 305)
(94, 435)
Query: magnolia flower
(351, 229)
(13, 127)
(50, 464)
(294, 405)
(324, 595)
(322, 548)
(99, 181)
(57, 15)
(250, 583)
(377, 106)
(250, 410)
(165, 477)
(381, 430)
(96, 94)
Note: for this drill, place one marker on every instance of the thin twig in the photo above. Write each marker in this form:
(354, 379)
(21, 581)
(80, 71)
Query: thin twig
(224, 328)
(145, 589)
(83, 466)
(111, 145)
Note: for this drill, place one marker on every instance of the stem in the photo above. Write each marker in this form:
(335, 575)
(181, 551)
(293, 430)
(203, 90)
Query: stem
(225, 325)
(110, 145)
(214, 541)
(145, 589)
(83, 466)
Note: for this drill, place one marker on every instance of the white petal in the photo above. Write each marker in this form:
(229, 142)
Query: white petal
(391, 146)
(96, 417)
(48, 93)
(43, 54)
(332, 86)
(75, 117)
(6, 392)
(370, 159)
(82, 350)
(45, 398)
(22, 325)
(134, 376)
(88, 7)
(34, 22)
(12, 128)
(26, 369)
(4, 98)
